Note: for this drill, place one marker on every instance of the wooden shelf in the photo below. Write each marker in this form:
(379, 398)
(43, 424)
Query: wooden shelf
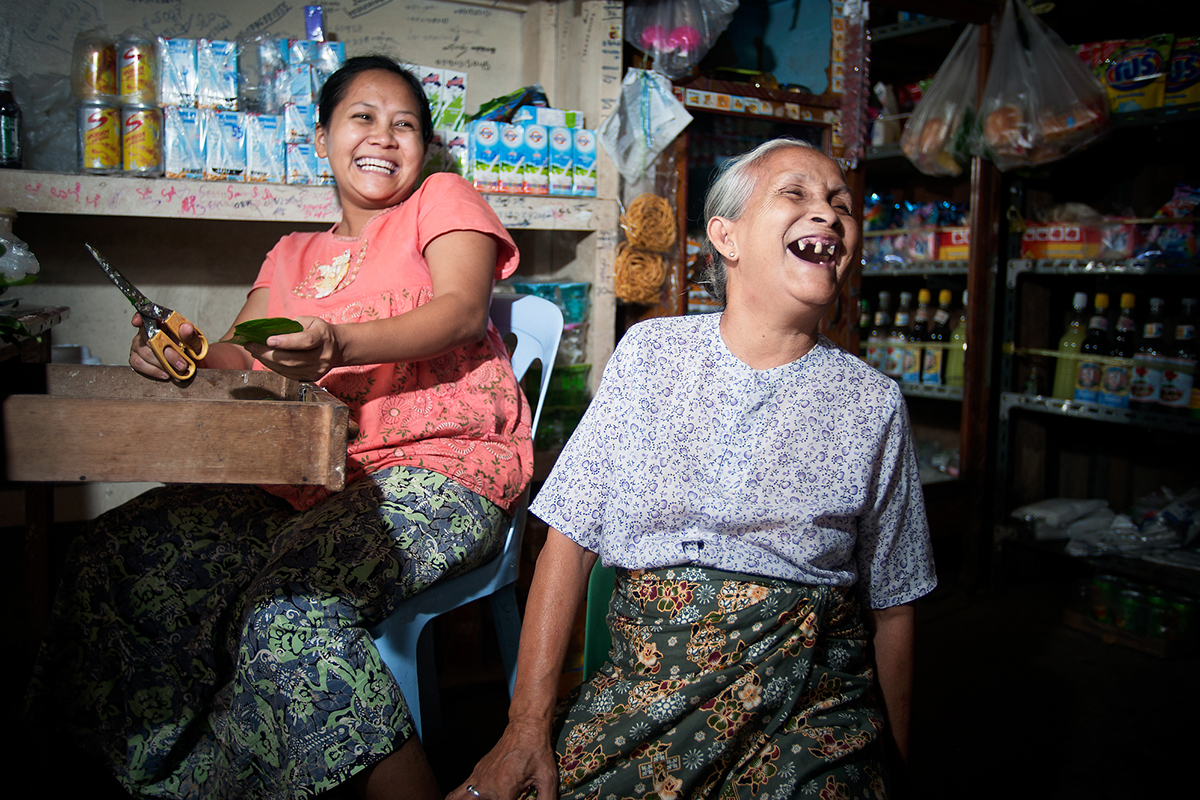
(117, 195)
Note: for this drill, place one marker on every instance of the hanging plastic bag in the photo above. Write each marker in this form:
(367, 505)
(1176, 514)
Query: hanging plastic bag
(676, 33)
(1041, 101)
(647, 119)
(937, 137)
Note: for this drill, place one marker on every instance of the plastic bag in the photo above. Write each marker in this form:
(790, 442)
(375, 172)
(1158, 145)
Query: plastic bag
(17, 264)
(50, 134)
(676, 33)
(1041, 101)
(937, 137)
(647, 119)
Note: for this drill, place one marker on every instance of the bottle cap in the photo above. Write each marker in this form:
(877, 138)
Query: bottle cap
(1101, 300)
(1128, 300)
(1080, 301)
(945, 296)
(923, 296)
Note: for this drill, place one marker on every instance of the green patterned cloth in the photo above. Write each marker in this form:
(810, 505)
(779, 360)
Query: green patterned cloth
(211, 641)
(721, 685)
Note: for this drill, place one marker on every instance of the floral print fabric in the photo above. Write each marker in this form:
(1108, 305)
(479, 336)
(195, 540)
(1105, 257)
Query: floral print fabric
(719, 686)
(210, 641)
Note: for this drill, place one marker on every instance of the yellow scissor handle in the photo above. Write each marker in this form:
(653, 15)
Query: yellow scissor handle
(159, 343)
(172, 324)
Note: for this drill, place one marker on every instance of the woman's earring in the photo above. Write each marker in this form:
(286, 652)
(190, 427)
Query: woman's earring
(732, 254)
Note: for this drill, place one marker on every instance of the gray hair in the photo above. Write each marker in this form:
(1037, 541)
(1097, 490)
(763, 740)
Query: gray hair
(728, 196)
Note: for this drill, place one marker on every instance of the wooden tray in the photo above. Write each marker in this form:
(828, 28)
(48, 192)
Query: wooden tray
(97, 423)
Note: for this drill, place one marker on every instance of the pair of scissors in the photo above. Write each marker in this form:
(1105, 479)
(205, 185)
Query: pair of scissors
(160, 323)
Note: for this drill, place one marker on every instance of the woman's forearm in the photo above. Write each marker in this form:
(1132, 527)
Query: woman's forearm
(559, 586)
(893, 639)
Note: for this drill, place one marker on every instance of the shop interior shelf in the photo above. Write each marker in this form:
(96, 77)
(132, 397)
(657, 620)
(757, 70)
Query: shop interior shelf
(930, 390)
(1094, 411)
(915, 268)
(1085, 266)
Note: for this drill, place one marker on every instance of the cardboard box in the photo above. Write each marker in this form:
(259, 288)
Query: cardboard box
(224, 426)
(1061, 240)
(953, 244)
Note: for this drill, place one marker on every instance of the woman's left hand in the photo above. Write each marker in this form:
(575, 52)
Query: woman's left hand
(305, 356)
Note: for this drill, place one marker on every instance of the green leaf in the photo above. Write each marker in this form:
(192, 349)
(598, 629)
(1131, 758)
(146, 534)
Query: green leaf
(259, 330)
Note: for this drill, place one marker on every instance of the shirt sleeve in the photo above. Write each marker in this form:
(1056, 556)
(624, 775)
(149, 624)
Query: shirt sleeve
(893, 554)
(448, 203)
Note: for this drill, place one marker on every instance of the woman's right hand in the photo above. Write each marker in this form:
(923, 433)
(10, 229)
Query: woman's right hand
(522, 758)
(142, 358)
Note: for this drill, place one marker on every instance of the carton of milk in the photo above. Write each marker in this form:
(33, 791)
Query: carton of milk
(298, 122)
(512, 157)
(224, 146)
(301, 160)
(216, 74)
(454, 101)
(265, 159)
(432, 80)
(583, 172)
(484, 145)
(183, 142)
(324, 173)
(535, 159)
(561, 162)
(178, 85)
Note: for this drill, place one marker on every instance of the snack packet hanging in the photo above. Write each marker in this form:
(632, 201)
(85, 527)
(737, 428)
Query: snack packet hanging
(936, 138)
(1183, 75)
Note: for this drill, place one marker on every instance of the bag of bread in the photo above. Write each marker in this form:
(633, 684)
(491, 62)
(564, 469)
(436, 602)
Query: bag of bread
(937, 137)
(1041, 101)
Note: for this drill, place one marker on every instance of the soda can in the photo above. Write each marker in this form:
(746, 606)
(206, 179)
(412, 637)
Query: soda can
(141, 140)
(137, 68)
(94, 66)
(99, 125)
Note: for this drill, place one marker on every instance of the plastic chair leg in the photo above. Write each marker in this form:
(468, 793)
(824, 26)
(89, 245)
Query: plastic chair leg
(508, 631)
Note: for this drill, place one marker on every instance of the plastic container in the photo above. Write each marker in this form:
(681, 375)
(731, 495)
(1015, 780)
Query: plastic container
(568, 384)
(572, 297)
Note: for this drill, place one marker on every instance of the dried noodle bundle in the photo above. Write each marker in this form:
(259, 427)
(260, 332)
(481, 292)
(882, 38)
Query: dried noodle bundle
(649, 223)
(639, 275)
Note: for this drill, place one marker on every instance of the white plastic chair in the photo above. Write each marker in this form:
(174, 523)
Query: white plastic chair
(403, 641)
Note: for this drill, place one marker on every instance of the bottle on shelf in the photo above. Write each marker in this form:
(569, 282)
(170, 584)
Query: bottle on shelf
(893, 365)
(933, 365)
(1147, 361)
(1095, 343)
(1114, 384)
(880, 328)
(10, 127)
(1067, 368)
(956, 355)
(918, 334)
(1178, 382)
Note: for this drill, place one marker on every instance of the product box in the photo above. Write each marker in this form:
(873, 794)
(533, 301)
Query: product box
(299, 121)
(298, 84)
(550, 117)
(301, 160)
(431, 81)
(1061, 240)
(454, 101)
(324, 173)
(583, 174)
(457, 148)
(561, 159)
(953, 244)
(183, 142)
(485, 155)
(178, 70)
(216, 74)
(224, 146)
(512, 151)
(303, 51)
(535, 159)
(265, 156)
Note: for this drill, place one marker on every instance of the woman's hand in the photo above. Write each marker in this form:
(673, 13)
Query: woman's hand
(522, 758)
(305, 356)
(143, 360)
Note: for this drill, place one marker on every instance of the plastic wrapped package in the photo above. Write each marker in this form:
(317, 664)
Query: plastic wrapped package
(17, 264)
(49, 130)
(1041, 102)
(937, 137)
(676, 33)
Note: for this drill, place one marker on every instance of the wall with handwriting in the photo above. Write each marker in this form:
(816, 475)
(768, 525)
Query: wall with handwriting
(37, 36)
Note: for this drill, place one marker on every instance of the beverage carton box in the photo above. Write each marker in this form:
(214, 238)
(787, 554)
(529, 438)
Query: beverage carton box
(511, 147)
(535, 155)
(224, 146)
(183, 142)
(485, 155)
(265, 158)
(178, 70)
(216, 74)
(583, 174)
(454, 101)
(432, 80)
(561, 159)
(299, 121)
(301, 163)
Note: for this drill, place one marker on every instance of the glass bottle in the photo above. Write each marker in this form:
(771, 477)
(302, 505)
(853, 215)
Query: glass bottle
(1147, 361)
(1067, 368)
(1175, 392)
(1114, 385)
(918, 334)
(933, 366)
(1095, 343)
(956, 355)
(898, 337)
(880, 328)
(10, 127)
